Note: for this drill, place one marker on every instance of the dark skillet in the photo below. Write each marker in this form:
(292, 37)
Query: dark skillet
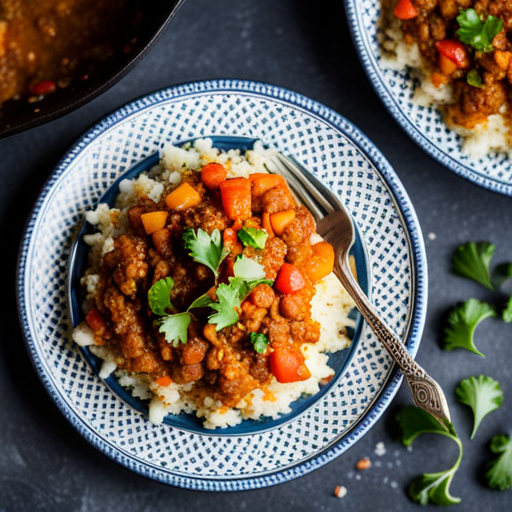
(16, 116)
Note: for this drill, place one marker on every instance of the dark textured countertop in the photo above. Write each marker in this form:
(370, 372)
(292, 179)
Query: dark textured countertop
(46, 466)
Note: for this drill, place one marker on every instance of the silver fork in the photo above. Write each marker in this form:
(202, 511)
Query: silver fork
(335, 225)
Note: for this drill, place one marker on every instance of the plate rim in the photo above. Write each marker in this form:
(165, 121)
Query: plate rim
(373, 72)
(416, 249)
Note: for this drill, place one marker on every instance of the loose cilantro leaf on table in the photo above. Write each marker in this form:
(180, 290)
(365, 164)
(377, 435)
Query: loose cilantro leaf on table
(260, 342)
(472, 260)
(506, 314)
(477, 33)
(462, 322)
(473, 78)
(433, 487)
(159, 296)
(175, 328)
(499, 471)
(206, 249)
(229, 301)
(483, 394)
(253, 237)
(501, 274)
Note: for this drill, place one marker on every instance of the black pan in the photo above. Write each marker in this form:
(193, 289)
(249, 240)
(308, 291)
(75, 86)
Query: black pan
(16, 116)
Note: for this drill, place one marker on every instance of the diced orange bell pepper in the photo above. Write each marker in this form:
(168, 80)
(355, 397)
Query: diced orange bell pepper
(288, 365)
(281, 220)
(266, 224)
(183, 197)
(405, 10)
(153, 221)
(236, 198)
(321, 264)
(164, 381)
(96, 322)
(446, 65)
(212, 175)
(290, 279)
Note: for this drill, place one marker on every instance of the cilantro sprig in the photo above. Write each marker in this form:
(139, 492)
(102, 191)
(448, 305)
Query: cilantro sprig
(499, 471)
(252, 237)
(159, 296)
(259, 342)
(473, 78)
(483, 394)
(472, 260)
(476, 32)
(175, 328)
(462, 322)
(433, 487)
(206, 249)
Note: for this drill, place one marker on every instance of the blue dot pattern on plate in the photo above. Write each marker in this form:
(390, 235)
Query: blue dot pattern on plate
(313, 135)
(424, 125)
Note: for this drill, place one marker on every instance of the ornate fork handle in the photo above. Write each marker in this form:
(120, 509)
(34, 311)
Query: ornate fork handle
(426, 392)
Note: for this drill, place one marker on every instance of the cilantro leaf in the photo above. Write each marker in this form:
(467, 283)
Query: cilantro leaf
(506, 314)
(159, 296)
(462, 322)
(175, 328)
(248, 269)
(433, 487)
(477, 33)
(260, 342)
(201, 302)
(253, 237)
(499, 471)
(472, 260)
(473, 78)
(501, 275)
(229, 300)
(483, 394)
(244, 288)
(206, 249)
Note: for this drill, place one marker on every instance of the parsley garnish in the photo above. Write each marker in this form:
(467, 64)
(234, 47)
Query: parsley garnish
(472, 260)
(253, 237)
(159, 296)
(462, 323)
(499, 471)
(175, 328)
(206, 249)
(433, 487)
(473, 78)
(483, 394)
(229, 301)
(260, 342)
(477, 33)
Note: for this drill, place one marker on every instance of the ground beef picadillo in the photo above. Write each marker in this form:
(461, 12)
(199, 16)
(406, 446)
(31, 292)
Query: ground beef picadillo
(223, 364)
(482, 78)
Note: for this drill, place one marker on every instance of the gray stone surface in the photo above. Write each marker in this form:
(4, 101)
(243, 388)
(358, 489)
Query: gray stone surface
(46, 466)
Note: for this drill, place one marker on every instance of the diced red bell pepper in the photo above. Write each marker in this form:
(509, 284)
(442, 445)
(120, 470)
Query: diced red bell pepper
(290, 279)
(43, 87)
(405, 10)
(453, 50)
(96, 322)
(288, 365)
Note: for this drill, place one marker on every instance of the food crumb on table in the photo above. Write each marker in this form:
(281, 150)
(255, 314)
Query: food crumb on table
(363, 464)
(380, 449)
(432, 236)
(340, 491)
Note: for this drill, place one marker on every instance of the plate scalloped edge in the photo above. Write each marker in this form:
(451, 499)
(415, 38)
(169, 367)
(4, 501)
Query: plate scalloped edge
(417, 253)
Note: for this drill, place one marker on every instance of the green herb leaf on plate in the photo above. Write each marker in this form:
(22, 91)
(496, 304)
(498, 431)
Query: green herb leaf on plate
(473, 78)
(253, 237)
(248, 269)
(201, 302)
(472, 260)
(259, 341)
(462, 322)
(229, 301)
(159, 296)
(477, 33)
(175, 328)
(483, 394)
(429, 487)
(206, 249)
(499, 471)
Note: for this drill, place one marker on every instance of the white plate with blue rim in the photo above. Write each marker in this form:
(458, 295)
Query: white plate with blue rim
(181, 452)
(424, 125)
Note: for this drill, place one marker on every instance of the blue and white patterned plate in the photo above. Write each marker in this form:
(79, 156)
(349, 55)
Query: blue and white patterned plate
(324, 143)
(424, 125)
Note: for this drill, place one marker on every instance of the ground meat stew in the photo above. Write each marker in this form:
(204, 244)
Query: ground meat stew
(212, 285)
(45, 44)
(466, 43)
